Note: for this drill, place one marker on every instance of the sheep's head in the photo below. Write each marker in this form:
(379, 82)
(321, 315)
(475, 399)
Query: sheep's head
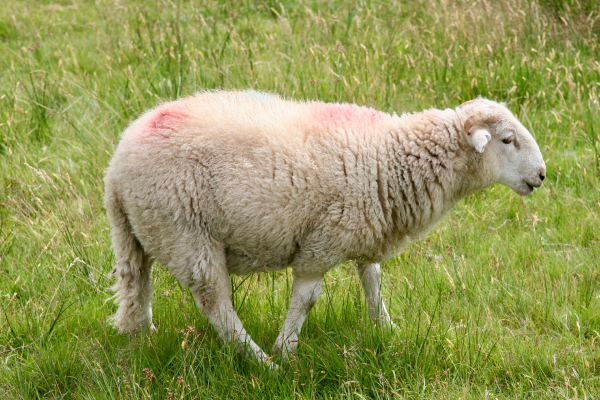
(509, 154)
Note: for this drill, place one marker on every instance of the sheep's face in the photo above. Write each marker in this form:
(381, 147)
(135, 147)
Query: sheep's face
(521, 166)
(510, 155)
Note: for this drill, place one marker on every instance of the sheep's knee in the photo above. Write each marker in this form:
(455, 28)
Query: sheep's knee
(214, 300)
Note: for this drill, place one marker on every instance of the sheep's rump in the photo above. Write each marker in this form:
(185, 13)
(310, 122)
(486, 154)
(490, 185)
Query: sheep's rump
(265, 179)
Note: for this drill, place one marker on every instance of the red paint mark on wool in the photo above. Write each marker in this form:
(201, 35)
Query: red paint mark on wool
(346, 115)
(165, 120)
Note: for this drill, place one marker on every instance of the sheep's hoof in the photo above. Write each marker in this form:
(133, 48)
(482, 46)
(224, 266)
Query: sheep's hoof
(281, 353)
(266, 361)
(130, 328)
(123, 328)
(273, 366)
(386, 322)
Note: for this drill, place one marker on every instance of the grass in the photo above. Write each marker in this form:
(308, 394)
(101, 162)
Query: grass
(500, 301)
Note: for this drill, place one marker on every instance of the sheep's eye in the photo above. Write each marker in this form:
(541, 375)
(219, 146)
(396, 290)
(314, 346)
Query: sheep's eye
(508, 140)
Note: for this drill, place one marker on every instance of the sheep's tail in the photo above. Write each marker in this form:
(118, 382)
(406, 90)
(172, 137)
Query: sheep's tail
(133, 269)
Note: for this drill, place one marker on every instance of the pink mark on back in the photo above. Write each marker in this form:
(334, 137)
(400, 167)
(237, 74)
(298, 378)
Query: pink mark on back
(346, 115)
(165, 120)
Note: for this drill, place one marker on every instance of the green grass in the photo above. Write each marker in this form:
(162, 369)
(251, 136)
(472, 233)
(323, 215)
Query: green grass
(500, 301)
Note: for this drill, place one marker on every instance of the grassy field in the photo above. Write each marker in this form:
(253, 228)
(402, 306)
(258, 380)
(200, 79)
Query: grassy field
(501, 301)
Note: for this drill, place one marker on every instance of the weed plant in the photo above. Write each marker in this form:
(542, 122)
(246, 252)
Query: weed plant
(500, 301)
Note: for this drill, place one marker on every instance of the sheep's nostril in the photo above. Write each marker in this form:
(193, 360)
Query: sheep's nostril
(542, 177)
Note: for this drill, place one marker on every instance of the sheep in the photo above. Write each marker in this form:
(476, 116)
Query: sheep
(236, 182)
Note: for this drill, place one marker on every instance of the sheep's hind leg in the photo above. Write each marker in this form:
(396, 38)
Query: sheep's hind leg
(213, 297)
(304, 296)
(370, 277)
(133, 292)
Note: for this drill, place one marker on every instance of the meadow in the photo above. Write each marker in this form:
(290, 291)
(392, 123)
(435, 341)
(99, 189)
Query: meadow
(501, 301)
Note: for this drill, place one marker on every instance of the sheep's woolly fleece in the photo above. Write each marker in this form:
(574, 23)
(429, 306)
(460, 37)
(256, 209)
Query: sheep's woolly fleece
(236, 182)
(276, 182)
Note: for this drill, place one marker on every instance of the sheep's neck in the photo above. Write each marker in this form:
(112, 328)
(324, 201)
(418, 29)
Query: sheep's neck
(426, 179)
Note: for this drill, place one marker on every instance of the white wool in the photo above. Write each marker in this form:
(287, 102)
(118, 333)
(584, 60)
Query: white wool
(239, 182)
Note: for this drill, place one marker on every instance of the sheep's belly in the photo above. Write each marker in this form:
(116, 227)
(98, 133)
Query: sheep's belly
(242, 264)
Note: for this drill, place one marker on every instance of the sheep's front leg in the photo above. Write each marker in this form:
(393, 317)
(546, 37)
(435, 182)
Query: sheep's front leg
(304, 296)
(214, 300)
(370, 277)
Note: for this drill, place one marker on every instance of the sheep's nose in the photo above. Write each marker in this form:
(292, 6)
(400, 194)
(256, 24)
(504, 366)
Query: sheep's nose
(542, 173)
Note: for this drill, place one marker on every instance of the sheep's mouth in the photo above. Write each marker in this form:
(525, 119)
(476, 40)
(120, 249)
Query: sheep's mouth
(524, 188)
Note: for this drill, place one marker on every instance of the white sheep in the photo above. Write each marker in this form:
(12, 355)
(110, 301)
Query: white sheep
(238, 182)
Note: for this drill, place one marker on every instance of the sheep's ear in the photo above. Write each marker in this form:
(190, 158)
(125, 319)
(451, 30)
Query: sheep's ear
(477, 128)
(478, 137)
